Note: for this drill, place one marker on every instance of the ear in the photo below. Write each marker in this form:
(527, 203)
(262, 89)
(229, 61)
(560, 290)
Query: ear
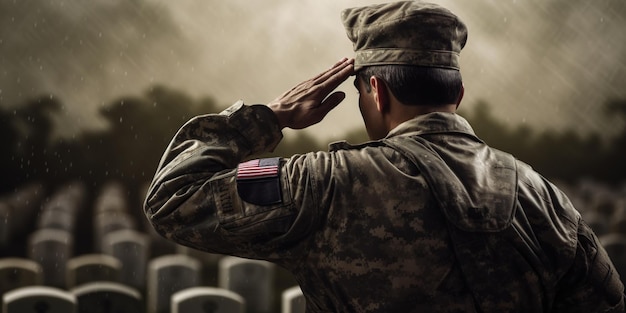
(381, 94)
(461, 93)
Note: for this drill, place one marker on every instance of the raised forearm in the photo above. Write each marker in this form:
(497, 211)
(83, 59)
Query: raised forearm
(203, 150)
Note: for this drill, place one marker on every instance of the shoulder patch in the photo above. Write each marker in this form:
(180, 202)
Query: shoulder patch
(259, 168)
(258, 181)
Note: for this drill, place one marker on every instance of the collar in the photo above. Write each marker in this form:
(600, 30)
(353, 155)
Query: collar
(430, 123)
(433, 123)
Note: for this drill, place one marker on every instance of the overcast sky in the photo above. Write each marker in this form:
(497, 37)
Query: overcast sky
(547, 63)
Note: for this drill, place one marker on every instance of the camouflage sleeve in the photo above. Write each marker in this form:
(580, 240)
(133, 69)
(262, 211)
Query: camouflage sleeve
(592, 284)
(193, 195)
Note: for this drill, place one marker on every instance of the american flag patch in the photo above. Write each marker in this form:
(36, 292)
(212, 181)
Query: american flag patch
(259, 168)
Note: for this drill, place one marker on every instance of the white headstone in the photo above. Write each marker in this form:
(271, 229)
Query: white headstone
(92, 268)
(51, 248)
(167, 275)
(132, 248)
(207, 300)
(252, 279)
(38, 299)
(17, 272)
(293, 301)
(108, 297)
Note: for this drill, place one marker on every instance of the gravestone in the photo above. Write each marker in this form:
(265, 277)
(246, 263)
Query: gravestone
(252, 279)
(17, 272)
(56, 218)
(51, 248)
(207, 300)
(111, 213)
(111, 199)
(38, 299)
(293, 300)
(108, 222)
(107, 297)
(61, 210)
(167, 275)
(131, 247)
(92, 268)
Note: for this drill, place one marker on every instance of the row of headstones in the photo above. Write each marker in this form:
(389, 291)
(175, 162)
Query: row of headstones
(251, 280)
(106, 297)
(116, 234)
(123, 253)
(53, 248)
(52, 243)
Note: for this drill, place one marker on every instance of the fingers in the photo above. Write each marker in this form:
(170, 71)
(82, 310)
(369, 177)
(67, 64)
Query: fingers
(330, 69)
(337, 73)
(329, 79)
(308, 102)
(332, 78)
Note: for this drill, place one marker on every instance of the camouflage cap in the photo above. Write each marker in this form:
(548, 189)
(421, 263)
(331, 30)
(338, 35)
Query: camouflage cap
(405, 33)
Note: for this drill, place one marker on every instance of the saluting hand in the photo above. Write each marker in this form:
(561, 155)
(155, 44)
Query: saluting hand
(308, 103)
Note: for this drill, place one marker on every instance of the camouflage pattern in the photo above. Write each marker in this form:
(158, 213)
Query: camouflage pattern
(405, 33)
(364, 229)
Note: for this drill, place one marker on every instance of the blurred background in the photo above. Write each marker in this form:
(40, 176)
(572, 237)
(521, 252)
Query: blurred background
(92, 91)
(545, 79)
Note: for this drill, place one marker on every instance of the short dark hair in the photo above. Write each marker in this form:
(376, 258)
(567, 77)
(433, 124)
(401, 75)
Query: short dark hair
(416, 85)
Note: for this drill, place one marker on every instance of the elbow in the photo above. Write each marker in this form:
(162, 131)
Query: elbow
(201, 233)
(158, 225)
(185, 218)
(160, 214)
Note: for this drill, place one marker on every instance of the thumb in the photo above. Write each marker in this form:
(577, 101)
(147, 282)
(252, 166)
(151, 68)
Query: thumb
(333, 100)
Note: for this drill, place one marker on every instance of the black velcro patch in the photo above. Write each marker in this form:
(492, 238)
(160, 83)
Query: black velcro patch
(258, 181)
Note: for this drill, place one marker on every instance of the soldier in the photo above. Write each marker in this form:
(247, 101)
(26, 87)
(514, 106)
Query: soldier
(425, 217)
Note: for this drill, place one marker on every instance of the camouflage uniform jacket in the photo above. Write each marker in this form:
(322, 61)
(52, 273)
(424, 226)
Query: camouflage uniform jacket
(366, 229)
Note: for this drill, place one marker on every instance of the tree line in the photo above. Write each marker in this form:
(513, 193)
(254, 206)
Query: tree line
(140, 127)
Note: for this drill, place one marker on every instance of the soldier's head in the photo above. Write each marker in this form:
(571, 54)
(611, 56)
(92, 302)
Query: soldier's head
(411, 50)
(416, 85)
